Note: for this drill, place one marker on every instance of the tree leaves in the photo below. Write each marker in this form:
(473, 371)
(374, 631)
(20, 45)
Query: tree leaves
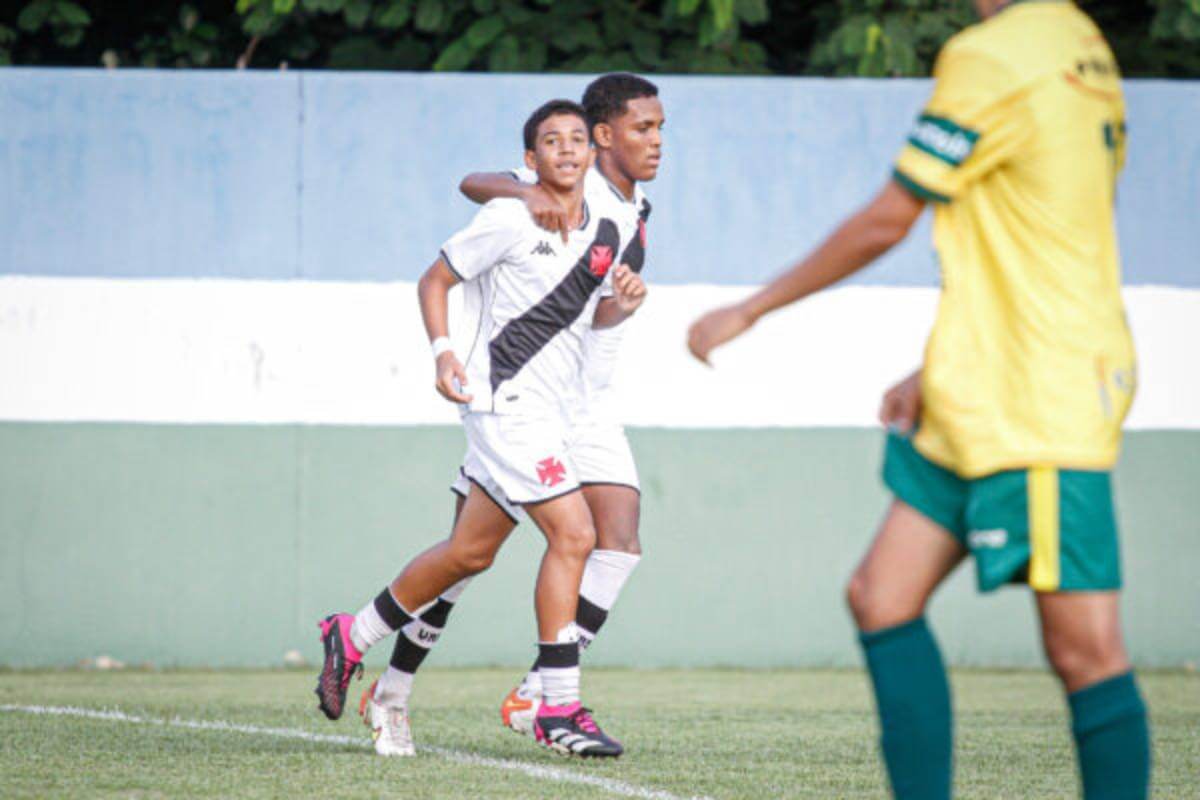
(35, 15)
(484, 31)
(393, 15)
(430, 16)
(871, 38)
(458, 56)
(829, 37)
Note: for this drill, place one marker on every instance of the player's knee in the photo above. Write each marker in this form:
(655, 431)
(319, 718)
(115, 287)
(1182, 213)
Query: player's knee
(573, 541)
(875, 606)
(619, 538)
(617, 525)
(468, 560)
(1083, 660)
(858, 598)
(631, 545)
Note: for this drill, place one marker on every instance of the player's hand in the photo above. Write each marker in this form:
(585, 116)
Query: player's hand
(901, 406)
(449, 370)
(546, 211)
(629, 290)
(716, 328)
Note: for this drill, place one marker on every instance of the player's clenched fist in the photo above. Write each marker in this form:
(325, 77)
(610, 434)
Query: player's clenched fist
(546, 211)
(629, 290)
(716, 328)
(902, 404)
(450, 370)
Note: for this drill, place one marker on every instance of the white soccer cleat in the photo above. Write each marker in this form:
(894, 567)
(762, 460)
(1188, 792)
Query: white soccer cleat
(388, 724)
(519, 709)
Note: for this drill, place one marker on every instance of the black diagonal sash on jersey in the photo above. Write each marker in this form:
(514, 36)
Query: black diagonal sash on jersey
(635, 251)
(526, 335)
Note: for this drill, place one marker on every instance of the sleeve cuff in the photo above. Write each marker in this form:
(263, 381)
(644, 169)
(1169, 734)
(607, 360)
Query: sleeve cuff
(917, 190)
(450, 266)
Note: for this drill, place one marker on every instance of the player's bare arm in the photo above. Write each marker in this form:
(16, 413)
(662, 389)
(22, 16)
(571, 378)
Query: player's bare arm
(862, 238)
(901, 404)
(546, 210)
(433, 291)
(629, 292)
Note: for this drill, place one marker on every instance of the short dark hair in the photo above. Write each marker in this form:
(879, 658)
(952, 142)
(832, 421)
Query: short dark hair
(551, 109)
(608, 96)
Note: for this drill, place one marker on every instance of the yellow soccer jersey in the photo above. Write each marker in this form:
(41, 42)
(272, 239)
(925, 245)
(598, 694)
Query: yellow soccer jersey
(1030, 360)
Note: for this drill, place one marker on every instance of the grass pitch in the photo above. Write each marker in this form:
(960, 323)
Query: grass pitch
(712, 733)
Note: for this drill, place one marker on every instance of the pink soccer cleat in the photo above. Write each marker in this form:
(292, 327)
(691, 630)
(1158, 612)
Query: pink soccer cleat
(342, 660)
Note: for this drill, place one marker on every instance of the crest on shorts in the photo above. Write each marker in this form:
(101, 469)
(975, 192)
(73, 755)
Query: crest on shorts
(551, 472)
(600, 259)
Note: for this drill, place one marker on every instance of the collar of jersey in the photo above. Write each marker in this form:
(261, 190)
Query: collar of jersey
(587, 217)
(615, 190)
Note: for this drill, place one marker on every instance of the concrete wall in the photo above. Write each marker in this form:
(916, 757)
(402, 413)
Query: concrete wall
(333, 176)
(215, 418)
(224, 545)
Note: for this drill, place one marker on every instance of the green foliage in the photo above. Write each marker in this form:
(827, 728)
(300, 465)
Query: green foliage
(1176, 34)
(531, 36)
(871, 38)
(820, 37)
(66, 21)
(190, 42)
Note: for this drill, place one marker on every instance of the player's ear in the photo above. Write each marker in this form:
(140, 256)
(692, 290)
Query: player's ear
(530, 160)
(602, 134)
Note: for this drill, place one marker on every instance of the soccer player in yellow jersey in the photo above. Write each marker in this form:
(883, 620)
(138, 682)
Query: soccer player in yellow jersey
(1027, 376)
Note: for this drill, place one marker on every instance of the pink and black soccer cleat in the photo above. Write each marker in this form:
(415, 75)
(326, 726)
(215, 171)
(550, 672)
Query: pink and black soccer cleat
(570, 730)
(342, 660)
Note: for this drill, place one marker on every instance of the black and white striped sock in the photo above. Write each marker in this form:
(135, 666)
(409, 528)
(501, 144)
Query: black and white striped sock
(377, 620)
(413, 644)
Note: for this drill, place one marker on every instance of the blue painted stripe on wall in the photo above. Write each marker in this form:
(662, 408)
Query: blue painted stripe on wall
(340, 176)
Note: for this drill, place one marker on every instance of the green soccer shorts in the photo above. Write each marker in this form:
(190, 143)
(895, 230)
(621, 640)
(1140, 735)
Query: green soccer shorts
(1053, 529)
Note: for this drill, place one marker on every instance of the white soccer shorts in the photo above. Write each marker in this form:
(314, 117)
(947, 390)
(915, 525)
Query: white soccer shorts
(480, 477)
(600, 452)
(516, 459)
(595, 452)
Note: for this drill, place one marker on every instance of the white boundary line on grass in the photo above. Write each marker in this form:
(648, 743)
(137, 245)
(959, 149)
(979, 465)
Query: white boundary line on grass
(556, 774)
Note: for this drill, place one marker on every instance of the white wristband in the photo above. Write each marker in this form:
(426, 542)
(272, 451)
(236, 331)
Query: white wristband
(441, 345)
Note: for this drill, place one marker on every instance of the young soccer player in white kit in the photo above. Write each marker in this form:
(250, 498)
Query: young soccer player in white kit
(522, 363)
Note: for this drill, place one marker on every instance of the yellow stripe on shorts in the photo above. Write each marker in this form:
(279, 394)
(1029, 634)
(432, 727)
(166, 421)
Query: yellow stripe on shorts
(1043, 529)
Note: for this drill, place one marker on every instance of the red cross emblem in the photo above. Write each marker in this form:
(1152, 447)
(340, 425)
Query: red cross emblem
(551, 472)
(600, 259)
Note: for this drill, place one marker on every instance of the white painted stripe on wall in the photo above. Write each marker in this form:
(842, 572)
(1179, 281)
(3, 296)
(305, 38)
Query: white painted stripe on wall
(229, 351)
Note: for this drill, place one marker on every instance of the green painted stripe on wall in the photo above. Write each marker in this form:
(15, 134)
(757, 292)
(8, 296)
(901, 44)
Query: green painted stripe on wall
(222, 545)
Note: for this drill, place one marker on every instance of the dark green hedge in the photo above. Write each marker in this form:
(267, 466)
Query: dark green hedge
(791, 37)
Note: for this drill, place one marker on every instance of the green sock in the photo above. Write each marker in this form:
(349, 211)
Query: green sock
(915, 717)
(1113, 739)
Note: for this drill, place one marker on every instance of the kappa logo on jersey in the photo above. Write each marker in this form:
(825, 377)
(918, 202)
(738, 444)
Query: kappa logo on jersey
(551, 472)
(543, 249)
(600, 259)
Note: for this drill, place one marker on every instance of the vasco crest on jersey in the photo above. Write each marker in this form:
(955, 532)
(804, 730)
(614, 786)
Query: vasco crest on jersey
(600, 258)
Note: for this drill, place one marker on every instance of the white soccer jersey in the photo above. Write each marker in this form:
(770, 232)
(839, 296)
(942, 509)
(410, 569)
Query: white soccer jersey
(528, 299)
(602, 346)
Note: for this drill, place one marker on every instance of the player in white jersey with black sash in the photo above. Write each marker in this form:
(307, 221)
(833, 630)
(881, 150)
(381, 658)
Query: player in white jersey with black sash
(626, 118)
(516, 382)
